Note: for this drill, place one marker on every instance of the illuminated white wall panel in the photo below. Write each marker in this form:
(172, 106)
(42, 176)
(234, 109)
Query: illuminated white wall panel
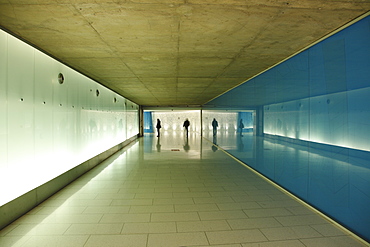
(48, 127)
(3, 108)
(132, 118)
(20, 125)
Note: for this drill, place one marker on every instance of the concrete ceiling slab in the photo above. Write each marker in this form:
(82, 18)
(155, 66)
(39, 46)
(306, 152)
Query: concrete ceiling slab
(174, 52)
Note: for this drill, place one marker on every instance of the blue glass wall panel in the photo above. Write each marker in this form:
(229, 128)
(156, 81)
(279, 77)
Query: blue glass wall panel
(247, 120)
(148, 122)
(315, 125)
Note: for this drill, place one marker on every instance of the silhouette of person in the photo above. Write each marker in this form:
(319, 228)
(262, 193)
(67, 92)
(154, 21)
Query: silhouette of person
(241, 126)
(186, 125)
(214, 125)
(158, 126)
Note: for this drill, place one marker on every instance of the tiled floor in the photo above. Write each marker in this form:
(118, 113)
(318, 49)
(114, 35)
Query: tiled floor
(172, 192)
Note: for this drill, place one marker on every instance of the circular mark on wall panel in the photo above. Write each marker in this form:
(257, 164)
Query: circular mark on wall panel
(61, 78)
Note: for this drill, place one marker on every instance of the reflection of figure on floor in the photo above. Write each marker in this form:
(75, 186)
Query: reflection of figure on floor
(158, 126)
(214, 147)
(240, 144)
(158, 145)
(186, 145)
(214, 125)
(241, 126)
(186, 125)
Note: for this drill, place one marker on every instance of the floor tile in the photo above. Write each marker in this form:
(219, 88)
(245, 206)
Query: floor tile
(123, 218)
(299, 220)
(284, 233)
(172, 190)
(134, 240)
(273, 212)
(224, 215)
(252, 223)
(224, 199)
(299, 210)
(196, 207)
(206, 189)
(238, 205)
(236, 236)
(107, 210)
(162, 217)
(151, 227)
(104, 196)
(134, 202)
(154, 195)
(62, 210)
(39, 229)
(177, 239)
(173, 201)
(191, 195)
(328, 230)
(202, 226)
(285, 243)
(91, 229)
(152, 209)
(57, 241)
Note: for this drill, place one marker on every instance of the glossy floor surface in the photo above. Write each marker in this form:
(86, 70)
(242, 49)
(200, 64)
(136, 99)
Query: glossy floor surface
(172, 191)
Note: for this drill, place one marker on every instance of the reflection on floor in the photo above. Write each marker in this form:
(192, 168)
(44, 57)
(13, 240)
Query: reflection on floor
(172, 191)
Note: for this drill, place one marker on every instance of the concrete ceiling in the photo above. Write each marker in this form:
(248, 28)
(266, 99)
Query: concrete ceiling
(174, 52)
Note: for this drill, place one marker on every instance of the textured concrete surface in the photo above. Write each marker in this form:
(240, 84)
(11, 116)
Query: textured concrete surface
(174, 52)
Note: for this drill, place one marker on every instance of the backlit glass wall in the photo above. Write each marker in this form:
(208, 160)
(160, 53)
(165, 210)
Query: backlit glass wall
(174, 120)
(227, 121)
(48, 126)
(313, 111)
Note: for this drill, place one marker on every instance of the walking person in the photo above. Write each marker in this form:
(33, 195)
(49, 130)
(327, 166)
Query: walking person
(214, 125)
(241, 126)
(186, 125)
(158, 126)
